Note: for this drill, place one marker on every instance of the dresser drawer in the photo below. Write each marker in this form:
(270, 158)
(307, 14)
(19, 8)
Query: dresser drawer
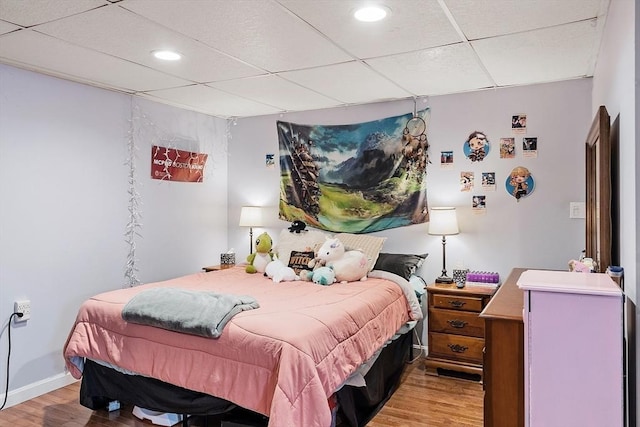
(457, 302)
(456, 347)
(456, 322)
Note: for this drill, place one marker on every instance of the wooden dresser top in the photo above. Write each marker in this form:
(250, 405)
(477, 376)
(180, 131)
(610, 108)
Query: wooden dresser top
(508, 302)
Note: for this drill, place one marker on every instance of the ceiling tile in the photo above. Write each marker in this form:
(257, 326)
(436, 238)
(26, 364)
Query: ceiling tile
(513, 16)
(260, 33)
(411, 25)
(278, 92)
(351, 83)
(52, 56)
(121, 33)
(539, 56)
(32, 12)
(447, 69)
(211, 101)
(6, 27)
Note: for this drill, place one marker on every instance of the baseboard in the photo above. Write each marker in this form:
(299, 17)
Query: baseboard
(39, 388)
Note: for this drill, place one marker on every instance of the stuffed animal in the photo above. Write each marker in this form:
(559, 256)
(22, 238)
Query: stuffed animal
(584, 266)
(297, 226)
(323, 276)
(262, 256)
(349, 266)
(278, 272)
(316, 262)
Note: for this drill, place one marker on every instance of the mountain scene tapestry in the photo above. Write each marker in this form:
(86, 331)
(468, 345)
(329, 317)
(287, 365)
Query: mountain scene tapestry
(356, 178)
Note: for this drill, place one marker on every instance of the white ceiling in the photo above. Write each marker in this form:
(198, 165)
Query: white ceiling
(254, 57)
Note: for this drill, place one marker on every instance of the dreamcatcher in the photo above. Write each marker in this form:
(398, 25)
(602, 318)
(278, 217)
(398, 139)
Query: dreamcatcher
(415, 142)
(415, 147)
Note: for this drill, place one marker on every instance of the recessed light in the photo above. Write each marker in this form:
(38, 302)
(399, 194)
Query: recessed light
(371, 13)
(166, 55)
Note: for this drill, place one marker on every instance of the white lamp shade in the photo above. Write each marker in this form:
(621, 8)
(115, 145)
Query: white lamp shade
(252, 216)
(443, 222)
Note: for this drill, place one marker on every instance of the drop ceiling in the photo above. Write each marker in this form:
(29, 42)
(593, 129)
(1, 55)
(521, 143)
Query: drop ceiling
(254, 57)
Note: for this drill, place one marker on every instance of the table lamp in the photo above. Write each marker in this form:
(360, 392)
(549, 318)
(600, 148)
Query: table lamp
(251, 216)
(443, 222)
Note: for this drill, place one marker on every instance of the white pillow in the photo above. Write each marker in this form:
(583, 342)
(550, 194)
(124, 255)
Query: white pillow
(370, 245)
(309, 240)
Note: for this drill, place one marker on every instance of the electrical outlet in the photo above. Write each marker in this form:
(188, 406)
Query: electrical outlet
(24, 307)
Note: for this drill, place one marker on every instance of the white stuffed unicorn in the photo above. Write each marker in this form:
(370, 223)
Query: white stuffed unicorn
(349, 266)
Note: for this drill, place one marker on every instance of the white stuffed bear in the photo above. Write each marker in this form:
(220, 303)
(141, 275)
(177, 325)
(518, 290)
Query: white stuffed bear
(349, 266)
(279, 272)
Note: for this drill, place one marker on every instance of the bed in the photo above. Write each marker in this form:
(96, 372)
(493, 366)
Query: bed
(290, 360)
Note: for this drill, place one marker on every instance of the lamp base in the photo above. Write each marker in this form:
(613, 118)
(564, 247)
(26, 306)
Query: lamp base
(444, 279)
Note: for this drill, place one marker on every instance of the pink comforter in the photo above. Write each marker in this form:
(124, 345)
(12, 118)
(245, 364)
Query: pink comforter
(283, 359)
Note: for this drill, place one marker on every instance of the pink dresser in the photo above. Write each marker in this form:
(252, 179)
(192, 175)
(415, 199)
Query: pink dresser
(573, 349)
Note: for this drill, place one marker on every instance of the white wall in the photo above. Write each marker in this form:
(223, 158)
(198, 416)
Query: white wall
(535, 232)
(615, 86)
(184, 223)
(63, 209)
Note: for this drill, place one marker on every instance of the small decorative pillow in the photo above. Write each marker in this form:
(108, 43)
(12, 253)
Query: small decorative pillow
(370, 245)
(404, 265)
(305, 241)
(299, 260)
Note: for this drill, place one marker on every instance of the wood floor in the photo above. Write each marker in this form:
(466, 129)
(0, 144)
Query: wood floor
(421, 401)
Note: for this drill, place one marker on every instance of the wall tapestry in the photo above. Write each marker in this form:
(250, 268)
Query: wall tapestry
(171, 164)
(356, 178)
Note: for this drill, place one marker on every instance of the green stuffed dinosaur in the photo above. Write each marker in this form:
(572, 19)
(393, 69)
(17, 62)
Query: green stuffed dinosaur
(262, 256)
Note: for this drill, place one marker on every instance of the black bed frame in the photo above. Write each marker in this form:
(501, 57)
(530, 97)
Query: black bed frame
(357, 405)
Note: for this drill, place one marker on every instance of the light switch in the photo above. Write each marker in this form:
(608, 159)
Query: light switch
(577, 210)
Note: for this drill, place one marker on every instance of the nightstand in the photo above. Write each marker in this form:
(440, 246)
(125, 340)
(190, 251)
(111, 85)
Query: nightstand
(456, 332)
(217, 267)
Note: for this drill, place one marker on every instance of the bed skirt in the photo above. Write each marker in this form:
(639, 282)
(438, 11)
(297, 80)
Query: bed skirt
(357, 405)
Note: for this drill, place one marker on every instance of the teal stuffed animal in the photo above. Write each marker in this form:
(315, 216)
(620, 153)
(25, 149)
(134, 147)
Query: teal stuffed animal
(324, 276)
(262, 256)
(321, 276)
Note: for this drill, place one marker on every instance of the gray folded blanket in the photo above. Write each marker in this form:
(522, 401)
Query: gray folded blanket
(201, 313)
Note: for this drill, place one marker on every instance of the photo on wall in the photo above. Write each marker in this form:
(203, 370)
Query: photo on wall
(489, 181)
(479, 204)
(519, 123)
(507, 148)
(269, 161)
(530, 147)
(446, 159)
(466, 181)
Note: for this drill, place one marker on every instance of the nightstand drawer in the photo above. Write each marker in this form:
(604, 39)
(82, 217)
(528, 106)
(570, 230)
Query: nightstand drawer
(458, 302)
(456, 322)
(456, 347)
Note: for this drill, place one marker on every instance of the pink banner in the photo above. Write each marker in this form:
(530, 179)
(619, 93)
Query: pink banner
(172, 164)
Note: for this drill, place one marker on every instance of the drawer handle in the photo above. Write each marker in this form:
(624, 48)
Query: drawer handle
(457, 348)
(456, 303)
(455, 323)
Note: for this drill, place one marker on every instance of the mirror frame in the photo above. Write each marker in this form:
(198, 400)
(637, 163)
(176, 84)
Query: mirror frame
(598, 191)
